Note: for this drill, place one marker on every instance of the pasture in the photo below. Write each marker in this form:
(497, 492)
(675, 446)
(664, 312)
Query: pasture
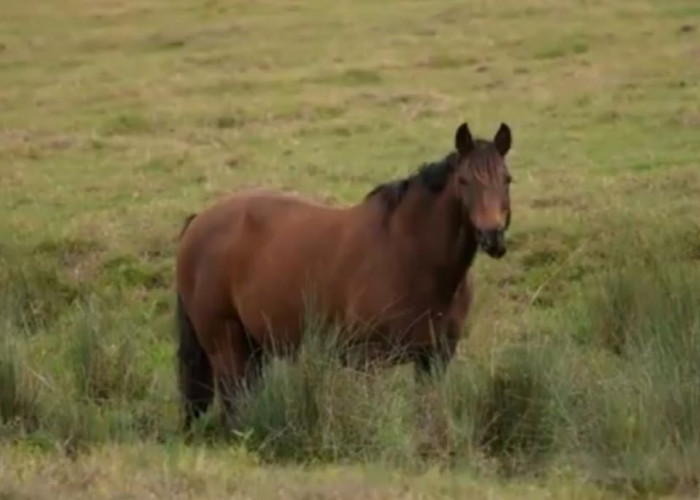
(577, 376)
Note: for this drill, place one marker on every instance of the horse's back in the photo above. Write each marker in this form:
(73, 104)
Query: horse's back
(246, 211)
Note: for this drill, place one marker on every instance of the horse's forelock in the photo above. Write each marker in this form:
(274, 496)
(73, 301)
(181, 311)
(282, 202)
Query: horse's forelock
(485, 165)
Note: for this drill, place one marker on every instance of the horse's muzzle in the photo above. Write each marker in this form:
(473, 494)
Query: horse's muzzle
(493, 242)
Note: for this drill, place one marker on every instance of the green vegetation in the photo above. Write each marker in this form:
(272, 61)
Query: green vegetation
(578, 377)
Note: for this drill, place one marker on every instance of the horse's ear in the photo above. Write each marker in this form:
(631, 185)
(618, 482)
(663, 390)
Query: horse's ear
(463, 140)
(503, 139)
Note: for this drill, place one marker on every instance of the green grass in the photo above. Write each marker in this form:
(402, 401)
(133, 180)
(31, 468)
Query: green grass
(578, 375)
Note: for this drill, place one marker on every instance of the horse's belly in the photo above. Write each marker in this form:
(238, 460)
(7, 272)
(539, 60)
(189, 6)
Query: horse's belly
(277, 321)
(274, 309)
(272, 319)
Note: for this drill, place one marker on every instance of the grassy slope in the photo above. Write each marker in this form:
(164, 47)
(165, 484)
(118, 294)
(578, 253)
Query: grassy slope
(120, 118)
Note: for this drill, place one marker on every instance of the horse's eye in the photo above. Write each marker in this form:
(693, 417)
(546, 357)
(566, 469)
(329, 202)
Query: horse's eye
(508, 179)
(462, 181)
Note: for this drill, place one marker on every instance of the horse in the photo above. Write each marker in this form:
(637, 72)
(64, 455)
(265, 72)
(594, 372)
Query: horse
(393, 267)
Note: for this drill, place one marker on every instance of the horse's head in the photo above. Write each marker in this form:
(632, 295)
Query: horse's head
(481, 182)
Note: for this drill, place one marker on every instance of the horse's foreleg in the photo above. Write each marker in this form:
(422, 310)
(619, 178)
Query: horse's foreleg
(432, 361)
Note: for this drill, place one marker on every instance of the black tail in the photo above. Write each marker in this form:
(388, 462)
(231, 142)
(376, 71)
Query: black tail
(195, 375)
(186, 224)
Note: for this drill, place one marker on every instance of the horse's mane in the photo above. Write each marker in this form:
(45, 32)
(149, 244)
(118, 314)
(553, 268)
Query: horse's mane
(434, 176)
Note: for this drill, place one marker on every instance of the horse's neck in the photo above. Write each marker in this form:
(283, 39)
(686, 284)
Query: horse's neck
(434, 240)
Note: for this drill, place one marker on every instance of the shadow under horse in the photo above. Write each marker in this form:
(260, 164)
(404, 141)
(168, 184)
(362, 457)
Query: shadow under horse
(393, 269)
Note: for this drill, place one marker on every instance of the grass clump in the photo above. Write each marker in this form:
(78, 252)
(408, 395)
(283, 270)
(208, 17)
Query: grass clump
(105, 362)
(19, 406)
(33, 291)
(94, 384)
(316, 407)
(643, 409)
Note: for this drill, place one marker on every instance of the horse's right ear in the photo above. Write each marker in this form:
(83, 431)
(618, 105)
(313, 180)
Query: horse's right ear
(503, 139)
(463, 140)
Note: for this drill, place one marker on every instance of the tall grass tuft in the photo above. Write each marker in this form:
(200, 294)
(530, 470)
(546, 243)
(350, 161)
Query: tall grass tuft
(33, 291)
(105, 362)
(518, 414)
(316, 407)
(19, 403)
(641, 425)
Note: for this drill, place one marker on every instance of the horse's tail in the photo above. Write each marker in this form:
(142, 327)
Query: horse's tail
(195, 378)
(186, 224)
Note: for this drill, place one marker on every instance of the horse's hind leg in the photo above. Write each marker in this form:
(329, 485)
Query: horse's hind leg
(237, 369)
(233, 360)
(254, 363)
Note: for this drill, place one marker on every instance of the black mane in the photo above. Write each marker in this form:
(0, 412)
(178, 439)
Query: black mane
(433, 176)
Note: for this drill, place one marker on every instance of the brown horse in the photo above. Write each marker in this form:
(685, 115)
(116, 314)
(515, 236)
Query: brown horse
(393, 267)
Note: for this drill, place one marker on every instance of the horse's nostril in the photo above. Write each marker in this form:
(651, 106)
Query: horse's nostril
(489, 235)
(491, 240)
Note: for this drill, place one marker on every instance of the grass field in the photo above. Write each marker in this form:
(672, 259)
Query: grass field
(578, 377)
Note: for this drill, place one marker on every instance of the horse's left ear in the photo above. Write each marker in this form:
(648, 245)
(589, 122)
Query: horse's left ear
(503, 139)
(464, 143)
